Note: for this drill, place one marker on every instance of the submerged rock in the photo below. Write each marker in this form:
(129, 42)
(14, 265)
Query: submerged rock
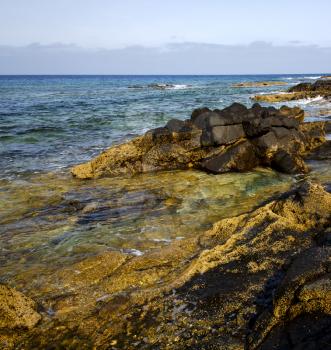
(259, 84)
(233, 139)
(256, 281)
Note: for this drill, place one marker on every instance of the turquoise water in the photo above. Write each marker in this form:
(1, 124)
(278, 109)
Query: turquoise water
(52, 122)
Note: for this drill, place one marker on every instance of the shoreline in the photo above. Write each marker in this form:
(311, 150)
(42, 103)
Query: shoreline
(247, 282)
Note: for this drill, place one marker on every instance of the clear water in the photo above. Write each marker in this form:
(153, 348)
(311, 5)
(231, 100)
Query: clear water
(49, 220)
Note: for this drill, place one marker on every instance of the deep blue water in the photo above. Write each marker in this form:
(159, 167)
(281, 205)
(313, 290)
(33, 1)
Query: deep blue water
(52, 122)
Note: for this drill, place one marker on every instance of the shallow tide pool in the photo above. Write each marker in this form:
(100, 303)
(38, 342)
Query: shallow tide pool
(50, 221)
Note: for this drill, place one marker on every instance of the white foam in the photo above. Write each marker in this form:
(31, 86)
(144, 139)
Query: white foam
(309, 100)
(313, 77)
(135, 252)
(272, 92)
(180, 86)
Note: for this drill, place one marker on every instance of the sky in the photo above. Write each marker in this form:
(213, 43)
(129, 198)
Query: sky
(164, 37)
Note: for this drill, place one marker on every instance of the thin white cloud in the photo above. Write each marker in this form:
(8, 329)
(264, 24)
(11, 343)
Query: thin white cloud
(175, 58)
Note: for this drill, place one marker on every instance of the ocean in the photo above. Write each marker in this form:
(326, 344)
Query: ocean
(48, 220)
(53, 122)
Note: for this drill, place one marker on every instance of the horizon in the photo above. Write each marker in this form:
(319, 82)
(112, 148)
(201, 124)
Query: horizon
(165, 75)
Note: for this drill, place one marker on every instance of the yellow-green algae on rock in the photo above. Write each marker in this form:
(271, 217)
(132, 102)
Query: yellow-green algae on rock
(232, 287)
(259, 84)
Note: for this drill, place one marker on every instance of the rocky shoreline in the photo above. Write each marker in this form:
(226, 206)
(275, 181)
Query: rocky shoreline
(233, 139)
(259, 84)
(320, 88)
(256, 281)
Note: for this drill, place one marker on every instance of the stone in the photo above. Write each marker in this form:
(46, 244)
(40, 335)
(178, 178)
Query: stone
(259, 84)
(240, 157)
(160, 135)
(301, 87)
(267, 141)
(294, 112)
(185, 144)
(222, 135)
(197, 112)
(287, 163)
(255, 281)
(201, 121)
(16, 310)
(176, 125)
(322, 87)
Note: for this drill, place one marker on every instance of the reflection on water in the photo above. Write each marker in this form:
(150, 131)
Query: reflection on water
(52, 220)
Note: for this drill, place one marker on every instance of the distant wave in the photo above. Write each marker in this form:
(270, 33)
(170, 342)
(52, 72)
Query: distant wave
(313, 77)
(169, 86)
(161, 86)
(273, 92)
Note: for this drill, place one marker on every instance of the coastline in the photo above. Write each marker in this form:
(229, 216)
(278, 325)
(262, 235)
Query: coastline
(213, 288)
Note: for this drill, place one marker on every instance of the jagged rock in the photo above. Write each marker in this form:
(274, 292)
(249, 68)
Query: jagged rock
(301, 87)
(288, 163)
(301, 313)
(199, 111)
(16, 310)
(322, 87)
(252, 282)
(240, 157)
(319, 85)
(294, 112)
(222, 135)
(259, 84)
(190, 143)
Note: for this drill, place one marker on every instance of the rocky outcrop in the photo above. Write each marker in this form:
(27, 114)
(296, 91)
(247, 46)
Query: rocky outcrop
(17, 315)
(322, 87)
(232, 139)
(259, 84)
(256, 281)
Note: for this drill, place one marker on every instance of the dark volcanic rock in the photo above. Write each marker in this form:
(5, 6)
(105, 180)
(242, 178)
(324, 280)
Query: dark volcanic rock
(240, 157)
(321, 87)
(198, 112)
(288, 163)
(192, 143)
(222, 135)
(301, 87)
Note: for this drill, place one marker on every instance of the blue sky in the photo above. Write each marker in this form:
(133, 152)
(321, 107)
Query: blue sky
(140, 33)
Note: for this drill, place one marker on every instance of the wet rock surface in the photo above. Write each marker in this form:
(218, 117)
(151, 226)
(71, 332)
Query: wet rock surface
(259, 84)
(17, 314)
(233, 139)
(322, 87)
(255, 281)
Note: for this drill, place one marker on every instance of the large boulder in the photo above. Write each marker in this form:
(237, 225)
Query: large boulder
(288, 163)
(191, 143)
(222, 135)
(240, 157)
